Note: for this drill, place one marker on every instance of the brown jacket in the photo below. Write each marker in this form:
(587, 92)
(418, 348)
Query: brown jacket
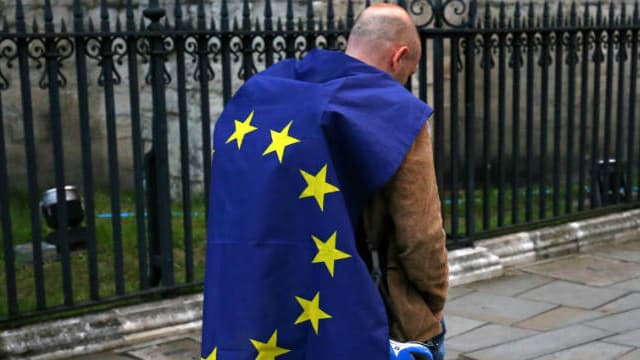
(406, 216)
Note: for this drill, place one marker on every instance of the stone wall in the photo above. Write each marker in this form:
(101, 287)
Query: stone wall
(12, 106)
(63, 10)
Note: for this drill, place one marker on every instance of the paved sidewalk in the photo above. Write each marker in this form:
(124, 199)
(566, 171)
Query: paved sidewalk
(582, 306)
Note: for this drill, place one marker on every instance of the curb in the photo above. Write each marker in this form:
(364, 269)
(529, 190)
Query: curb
(120, 327)
(61, 339)
(491, 256)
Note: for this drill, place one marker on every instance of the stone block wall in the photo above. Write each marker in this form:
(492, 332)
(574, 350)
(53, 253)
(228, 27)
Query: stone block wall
(12, 106)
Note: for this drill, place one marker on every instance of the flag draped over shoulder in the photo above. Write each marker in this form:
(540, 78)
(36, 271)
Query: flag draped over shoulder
(298, 152)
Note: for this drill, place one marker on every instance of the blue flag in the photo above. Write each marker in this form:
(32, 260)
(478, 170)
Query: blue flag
(298, 152)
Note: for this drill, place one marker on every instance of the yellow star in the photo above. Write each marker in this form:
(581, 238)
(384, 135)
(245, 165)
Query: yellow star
(317, 186)
(280, 140)
(327, 252)
(270, 349)
(311, 311)
(242, 129)
(213, 355)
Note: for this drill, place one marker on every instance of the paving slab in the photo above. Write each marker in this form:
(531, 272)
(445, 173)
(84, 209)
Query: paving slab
(451, 355)
(494, 308)
(628, 252)
(587, 269)
(559, 317)
(620, 322)
(632, 284)
(541, 344)
(628, 302)
(457, 325)
(573, 295)
(458, 291)
(631, 338)
(485, 336)
(594, 350)
(173, 350)
(511, 284)
(103, 356)
(634, 355)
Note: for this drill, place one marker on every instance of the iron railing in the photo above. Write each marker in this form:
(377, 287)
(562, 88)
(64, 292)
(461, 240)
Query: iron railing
(527, 127)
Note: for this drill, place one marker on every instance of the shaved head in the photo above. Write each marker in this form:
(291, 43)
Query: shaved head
(383, 35)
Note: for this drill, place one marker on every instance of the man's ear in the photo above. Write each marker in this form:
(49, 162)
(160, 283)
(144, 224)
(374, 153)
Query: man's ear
(398, 54)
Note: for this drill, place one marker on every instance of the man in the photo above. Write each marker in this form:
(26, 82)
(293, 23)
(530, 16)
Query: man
(405, 216)
(300, 151)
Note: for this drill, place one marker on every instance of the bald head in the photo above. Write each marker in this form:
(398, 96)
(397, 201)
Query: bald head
(384, 36)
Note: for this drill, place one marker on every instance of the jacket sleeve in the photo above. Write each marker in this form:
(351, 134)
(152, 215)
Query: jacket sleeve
(414, 207)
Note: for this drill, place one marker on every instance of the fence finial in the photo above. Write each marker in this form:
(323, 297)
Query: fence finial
(236, 27)
(349, 14)
(246, 16)
(502, 16)
(5, 24)
(574, 14)
(104, 15)
(560, 15)
(599, 14)
(35, 27)
(289, 23)
(131, 24)
(636, 13)
(612, 14)
(201, 21)
(310, 21)
(78, 17)
(473, 9)
(19, 10)
(48, 16)
(224, 16)
(143, 26)
(105, 25)
(545, 15)
(177, 13)
(585, 16)
(268, 22)
(531, 15)
(330, 15)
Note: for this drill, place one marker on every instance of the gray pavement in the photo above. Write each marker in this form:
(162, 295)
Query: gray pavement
(582, 306)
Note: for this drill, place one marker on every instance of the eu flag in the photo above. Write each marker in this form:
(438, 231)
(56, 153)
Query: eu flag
(298, 152)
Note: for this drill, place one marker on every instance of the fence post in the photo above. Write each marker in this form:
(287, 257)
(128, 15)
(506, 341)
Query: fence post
(162, 233)
(52, 57)
(469, 114)
(438, 95)
(30, 150)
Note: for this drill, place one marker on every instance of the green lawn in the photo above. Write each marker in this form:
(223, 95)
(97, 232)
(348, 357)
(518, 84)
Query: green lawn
(25, 280)
(507, 203)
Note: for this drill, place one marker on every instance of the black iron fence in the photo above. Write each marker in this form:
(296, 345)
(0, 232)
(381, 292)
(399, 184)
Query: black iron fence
(535, 119)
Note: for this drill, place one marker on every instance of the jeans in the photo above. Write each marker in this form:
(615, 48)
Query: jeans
(436, 344)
